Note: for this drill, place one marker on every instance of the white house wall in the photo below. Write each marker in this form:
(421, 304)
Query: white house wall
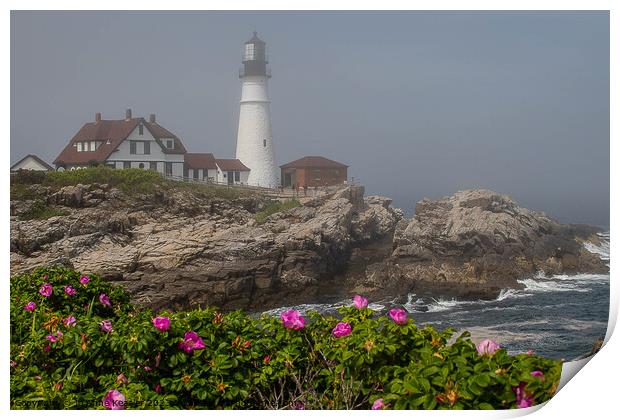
(122, 154)
(243, 177)
(30, 164)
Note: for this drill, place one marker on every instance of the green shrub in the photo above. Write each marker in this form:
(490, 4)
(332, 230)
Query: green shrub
(129, 180)
(22, 192)
(245, 362)
(275, 207)
(39, 210)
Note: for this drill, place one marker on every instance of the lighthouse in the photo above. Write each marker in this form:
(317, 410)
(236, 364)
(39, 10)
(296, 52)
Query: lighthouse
(255, 147)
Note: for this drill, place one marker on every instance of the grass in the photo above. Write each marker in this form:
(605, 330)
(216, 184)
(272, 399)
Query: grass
(275, 207)
(41, 211)
(22, 192)
(132, 181)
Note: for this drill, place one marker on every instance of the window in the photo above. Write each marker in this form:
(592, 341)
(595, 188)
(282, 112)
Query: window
(249, 52)
(93, 146)
(126, 165)
(205, 173)
(185, 172)
(147, 147)
(169, 144)
(237, 177)
(79, 146)
(141, 165)
(196, 173)
(264, 142)
(132, 147)
(168, 168)
(141, 129)
(153, 166)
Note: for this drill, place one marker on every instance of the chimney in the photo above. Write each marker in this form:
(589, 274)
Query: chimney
(97, 117)
(128, 114)
(152, 118)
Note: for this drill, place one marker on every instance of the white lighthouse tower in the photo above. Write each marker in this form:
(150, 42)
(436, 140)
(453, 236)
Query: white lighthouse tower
(254, 143)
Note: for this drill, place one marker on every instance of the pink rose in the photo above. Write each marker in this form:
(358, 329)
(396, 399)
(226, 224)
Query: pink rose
(292, 319)
(84, 279)
(341, 329)
(114, 400)
(162, 323)
(104, 299)
(487, 347)
(70, 321)
(69, 290)
(106, 326)
(30, 306)
(360, 301)
(191, 342)
(46, 290)
(523, 399)
(378, 404)
(398, 315)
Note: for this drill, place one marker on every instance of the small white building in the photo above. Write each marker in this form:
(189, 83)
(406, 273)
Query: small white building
(32, 163)
(232, 171)
(200, 166)
(122, 144)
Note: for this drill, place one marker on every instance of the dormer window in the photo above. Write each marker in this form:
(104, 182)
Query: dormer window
(79, 146)
(170, 144)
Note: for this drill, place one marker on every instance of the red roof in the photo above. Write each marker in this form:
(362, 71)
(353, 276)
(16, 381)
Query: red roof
(160, 132)
(231, 165)
(200, 161)
(114, 131)
(313, 162)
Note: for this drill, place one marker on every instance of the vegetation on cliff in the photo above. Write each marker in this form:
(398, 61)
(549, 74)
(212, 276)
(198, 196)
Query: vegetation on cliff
(136, 181)
(77, 342)
(275, 207)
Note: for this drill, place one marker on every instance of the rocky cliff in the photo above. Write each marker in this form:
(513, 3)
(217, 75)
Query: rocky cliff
(475, 243)
(179, 248)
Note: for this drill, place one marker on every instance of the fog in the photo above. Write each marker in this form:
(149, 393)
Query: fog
(418, 104)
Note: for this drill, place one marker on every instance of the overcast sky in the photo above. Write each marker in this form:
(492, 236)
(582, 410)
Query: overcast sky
(419, 104)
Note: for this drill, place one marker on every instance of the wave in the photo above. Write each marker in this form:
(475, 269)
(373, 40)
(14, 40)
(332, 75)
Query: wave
(510, 294)
(602, 248)
(532, 285)
(446, 304)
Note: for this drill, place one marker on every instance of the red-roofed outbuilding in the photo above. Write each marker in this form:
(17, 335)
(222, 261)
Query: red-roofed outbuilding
(313, 171)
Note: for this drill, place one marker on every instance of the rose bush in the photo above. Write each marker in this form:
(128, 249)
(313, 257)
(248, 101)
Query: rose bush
(93, 349)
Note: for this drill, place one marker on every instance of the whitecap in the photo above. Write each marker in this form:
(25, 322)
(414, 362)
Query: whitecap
(511, 293)
(532, 285)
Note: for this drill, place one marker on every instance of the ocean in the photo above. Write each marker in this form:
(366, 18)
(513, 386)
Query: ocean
(559, 317)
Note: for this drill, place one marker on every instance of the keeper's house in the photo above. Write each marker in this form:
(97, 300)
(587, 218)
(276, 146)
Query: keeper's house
(142, 144)
(124, 144)
(313, 171)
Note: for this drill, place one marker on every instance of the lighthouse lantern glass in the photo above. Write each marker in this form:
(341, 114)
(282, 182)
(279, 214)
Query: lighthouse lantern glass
(249, 52)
